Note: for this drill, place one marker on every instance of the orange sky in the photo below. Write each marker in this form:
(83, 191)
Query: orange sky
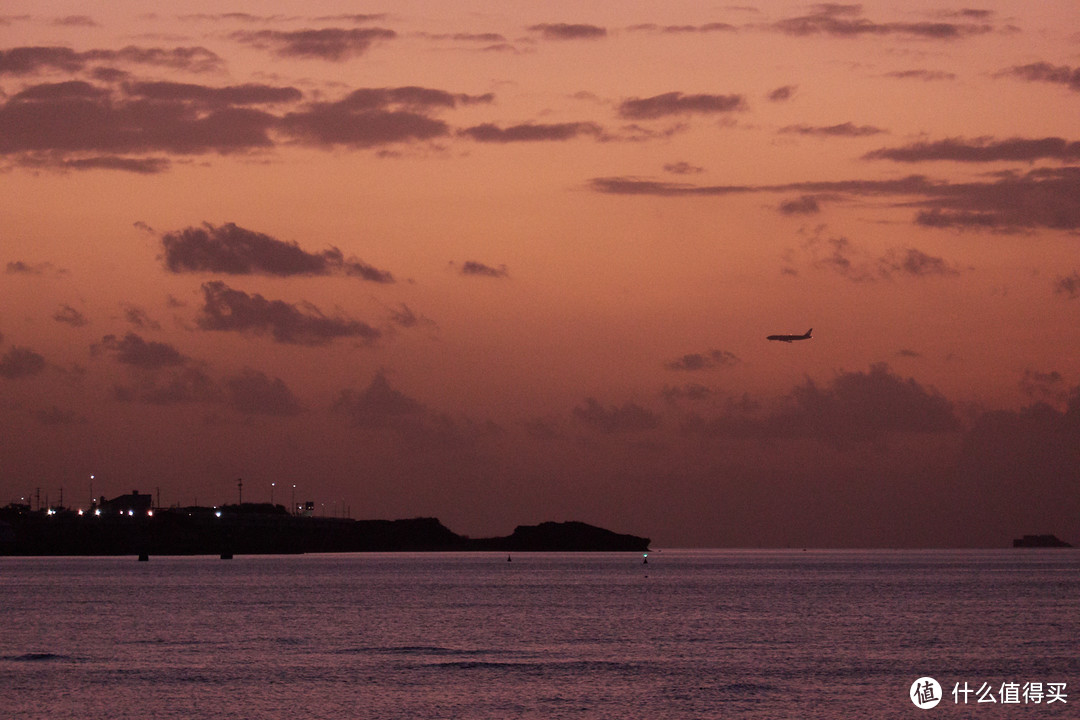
(509, 263)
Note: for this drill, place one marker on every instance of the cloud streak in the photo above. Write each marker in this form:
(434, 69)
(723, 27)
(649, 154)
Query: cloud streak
(805, 205)
(568, 31)
(28, 60)
(1045, 72)
(376, 116)
(847, 129)
(228, 310)
(478, 269)
(234, 250)
(78, 125)
(782, 93)
(78, 117)
(845, 21)
(841, 256)
(1047, 198)
(684, 29)
(531, 132)
(984, 149)
(676, 103)
(920, 74)
(333, 44)
(19, 267)
(711, 360)
(70, 316)
(247, 94)
(133, 350)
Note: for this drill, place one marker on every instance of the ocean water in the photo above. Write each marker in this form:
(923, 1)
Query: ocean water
(691, 634)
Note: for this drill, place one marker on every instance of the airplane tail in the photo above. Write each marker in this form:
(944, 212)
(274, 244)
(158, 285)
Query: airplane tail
(808, 332)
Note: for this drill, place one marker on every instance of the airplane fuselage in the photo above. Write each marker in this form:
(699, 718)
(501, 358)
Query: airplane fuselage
(790, 338)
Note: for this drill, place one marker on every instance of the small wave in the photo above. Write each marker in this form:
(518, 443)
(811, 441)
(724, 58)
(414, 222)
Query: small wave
(747, 688)
(485, 664)
(540, 666)
(164, 642)
(36, 657)
(419, 650)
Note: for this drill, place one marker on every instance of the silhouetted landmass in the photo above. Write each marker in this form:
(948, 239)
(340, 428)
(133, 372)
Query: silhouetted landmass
(1040, 541)
(270, 529)
(567, 536)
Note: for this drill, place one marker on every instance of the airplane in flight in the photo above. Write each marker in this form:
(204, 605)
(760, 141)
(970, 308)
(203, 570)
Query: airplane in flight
(791, 338)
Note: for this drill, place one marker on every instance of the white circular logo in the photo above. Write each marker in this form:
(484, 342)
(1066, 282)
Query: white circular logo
(925, 693)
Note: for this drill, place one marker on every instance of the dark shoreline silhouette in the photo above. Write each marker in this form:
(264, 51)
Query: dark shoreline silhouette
(1040, 541)
(250, 529)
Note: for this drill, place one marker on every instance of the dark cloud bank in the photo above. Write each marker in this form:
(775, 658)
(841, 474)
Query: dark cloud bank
(1043, 197)
(80, 125)
(254, 393)
(866, 458)
(21, 362)
(168, 377)
(855, 407)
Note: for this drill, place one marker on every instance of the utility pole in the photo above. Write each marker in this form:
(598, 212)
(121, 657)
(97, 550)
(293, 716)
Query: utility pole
(240, 491)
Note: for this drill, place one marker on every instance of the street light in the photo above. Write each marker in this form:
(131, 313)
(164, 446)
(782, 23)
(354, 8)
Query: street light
(294, 499)
(272, 493)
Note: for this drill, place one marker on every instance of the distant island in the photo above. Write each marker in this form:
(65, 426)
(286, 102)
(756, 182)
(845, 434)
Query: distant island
(1040, 541)
(130, 526)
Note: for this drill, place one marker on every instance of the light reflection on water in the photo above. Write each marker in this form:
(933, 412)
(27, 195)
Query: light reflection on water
(691, 634)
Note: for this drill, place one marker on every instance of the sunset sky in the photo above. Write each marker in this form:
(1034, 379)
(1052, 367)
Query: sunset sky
(502, 263)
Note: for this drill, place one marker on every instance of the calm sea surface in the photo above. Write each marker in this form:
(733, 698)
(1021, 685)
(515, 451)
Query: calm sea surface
(692, 634)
